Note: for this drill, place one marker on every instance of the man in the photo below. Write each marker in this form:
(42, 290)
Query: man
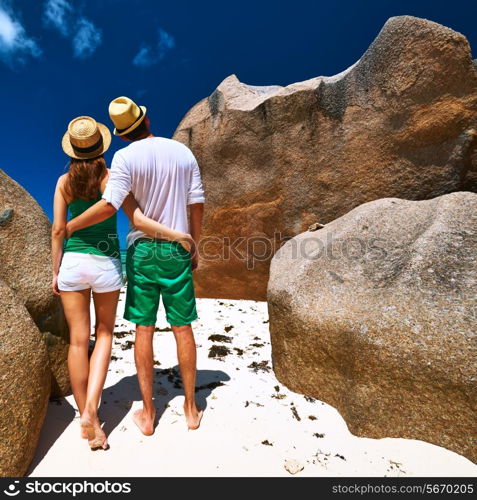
(163, 176)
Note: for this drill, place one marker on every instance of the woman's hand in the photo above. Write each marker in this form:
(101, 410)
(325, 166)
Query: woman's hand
(54, 285)
(186, 241)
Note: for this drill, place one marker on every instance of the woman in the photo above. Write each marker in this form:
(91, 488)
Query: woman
(90, 262)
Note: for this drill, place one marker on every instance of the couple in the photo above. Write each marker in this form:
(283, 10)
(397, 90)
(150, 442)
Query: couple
(154, 180)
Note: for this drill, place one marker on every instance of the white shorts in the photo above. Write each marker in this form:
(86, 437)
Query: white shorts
(80, 271)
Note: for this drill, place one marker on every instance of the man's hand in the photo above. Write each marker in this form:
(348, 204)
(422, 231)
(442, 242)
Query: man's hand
(54, 285)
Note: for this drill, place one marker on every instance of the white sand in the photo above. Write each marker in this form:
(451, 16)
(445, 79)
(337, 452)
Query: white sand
(240, 415)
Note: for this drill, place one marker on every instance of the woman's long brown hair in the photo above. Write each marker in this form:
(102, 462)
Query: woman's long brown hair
(84, 178)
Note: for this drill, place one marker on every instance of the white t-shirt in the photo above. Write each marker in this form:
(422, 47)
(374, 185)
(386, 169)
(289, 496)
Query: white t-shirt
(164, 177)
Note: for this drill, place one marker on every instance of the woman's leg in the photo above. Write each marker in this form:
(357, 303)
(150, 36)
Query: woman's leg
(105, 307)
(76, 307)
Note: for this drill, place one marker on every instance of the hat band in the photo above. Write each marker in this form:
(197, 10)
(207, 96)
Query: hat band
(121, 130)
(89, 149)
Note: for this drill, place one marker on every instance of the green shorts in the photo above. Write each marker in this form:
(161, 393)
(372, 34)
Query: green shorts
(154, 267)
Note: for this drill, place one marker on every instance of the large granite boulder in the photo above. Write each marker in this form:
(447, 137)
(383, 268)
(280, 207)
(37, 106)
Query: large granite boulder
(398, 123)
(24, 384)
(25, 265)
(376, 313)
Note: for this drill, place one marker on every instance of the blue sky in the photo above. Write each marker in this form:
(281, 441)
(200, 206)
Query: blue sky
(64, 58)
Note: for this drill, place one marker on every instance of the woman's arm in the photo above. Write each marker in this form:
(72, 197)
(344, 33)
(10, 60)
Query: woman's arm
(151, 227)
(60, 209)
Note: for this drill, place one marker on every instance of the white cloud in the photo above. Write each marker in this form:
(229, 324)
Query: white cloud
(15, 46)
(87, 39)
(59, 14)
(85, 36)
(149, 55)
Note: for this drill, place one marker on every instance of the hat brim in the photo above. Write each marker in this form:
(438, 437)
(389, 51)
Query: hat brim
(68, 148)
(134, 125)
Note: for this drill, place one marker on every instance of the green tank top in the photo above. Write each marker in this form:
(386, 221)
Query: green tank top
(99, 239)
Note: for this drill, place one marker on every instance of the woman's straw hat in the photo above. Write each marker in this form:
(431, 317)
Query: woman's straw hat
(86, 138)
(126, 115)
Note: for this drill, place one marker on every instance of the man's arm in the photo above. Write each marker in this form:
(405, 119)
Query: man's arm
(117, 188)
(195, 201)
(196, 214)
(100, 211)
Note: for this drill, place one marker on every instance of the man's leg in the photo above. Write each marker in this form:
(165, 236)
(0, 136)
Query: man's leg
(187, 356)
(144, 358)
(142, 301)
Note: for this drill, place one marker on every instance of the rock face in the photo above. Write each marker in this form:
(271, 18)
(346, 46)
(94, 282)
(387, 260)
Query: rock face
(24, 384)
(375, 314)
(398, 123)
(25, 266)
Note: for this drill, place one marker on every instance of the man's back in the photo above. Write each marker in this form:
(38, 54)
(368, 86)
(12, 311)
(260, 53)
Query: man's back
(164, 178)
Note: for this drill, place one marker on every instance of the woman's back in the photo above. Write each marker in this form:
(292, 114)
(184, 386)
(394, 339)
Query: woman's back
(98, 239)
(86, 267)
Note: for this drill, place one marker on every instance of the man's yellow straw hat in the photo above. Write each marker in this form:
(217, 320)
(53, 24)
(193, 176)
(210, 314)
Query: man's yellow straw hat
(126, 115)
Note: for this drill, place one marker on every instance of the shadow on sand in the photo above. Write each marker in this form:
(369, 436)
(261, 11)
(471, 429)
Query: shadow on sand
(118, 399)
(58, 417)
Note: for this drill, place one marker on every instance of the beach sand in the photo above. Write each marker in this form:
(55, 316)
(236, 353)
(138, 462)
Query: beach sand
(252, 425)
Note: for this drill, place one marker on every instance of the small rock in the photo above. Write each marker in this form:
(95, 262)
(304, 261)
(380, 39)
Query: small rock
(127, 345)
(263, 366)
(218, 351)
(293, 466)
(316, 226)
(295, 413)
(220, 338)
(6, 216)
(121, 334)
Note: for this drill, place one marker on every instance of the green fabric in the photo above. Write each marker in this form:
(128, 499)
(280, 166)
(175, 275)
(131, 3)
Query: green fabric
(154, 268)
(99, 239)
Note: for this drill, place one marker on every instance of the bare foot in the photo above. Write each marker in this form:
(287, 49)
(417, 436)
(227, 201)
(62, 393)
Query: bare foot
(100, 442)
(144, 421)
(193, 417)
(87, 427)
(92, 431)
(84, 434)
